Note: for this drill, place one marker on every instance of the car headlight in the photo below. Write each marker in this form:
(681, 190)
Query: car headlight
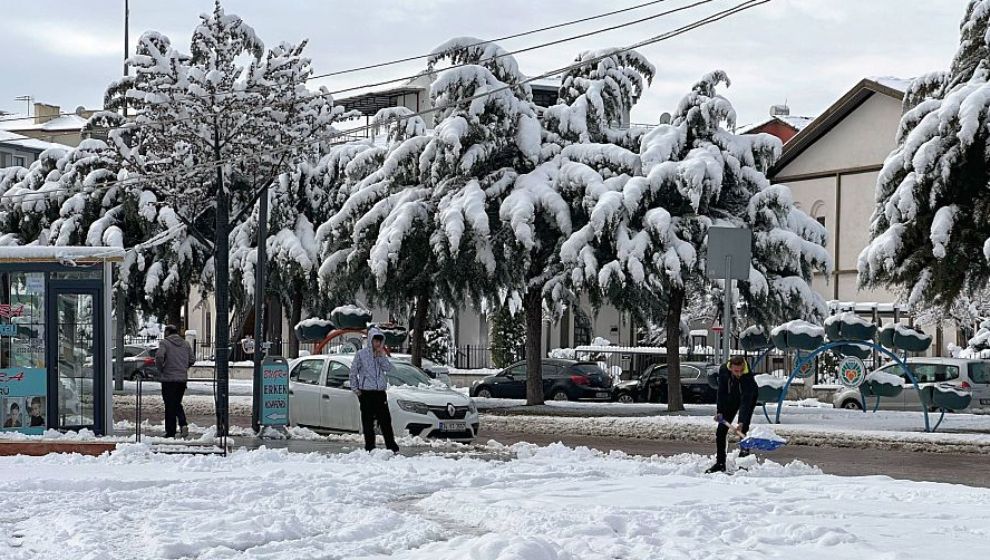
(472, 408)
(413, 406)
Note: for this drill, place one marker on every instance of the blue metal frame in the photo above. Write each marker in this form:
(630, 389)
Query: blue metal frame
(763, 354)
(875, 346)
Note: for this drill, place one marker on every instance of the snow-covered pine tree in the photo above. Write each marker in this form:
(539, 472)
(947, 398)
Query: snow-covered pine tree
(595, 100)
(377, 242)
(508, 336)
(646, 239)
(226, 101)
(32, 203)
(930, 236)
(549, 203)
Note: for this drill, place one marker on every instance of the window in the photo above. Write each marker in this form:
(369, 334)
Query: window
(934, 373)
(821, 220)
(19, 161)
(338, 375)
(517, 371)
(308, 371)
(690, 372)
(550, 370)
(405, 374)
(979, 372)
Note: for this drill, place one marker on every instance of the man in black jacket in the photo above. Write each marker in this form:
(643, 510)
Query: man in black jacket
(737, 391)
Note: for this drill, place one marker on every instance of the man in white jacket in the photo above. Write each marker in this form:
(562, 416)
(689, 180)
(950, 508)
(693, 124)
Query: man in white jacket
(369, 381)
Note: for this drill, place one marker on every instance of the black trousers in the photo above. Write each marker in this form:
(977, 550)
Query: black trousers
(172, 392)
(374, 407)
(721, 434)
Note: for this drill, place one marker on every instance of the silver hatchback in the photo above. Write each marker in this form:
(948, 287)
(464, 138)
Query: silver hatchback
(973, 375)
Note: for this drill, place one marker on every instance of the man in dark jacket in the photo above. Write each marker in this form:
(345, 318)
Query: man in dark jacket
(737, 392)
(174, 358)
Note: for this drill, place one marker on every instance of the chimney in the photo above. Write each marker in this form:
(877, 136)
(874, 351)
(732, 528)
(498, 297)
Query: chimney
(779, 110)
(44, 112)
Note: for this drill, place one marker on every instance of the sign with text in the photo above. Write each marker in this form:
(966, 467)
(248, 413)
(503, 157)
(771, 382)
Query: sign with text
(8, 329)
(274, 392)
(24, 399)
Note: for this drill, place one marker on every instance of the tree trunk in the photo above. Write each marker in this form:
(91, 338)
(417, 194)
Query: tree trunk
(675, 401)
(295, 315)
(533, 305)
(173, 312)
(420, 316)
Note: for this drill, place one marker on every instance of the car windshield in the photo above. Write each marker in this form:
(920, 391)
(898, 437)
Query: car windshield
(587, 369)
(405, 374)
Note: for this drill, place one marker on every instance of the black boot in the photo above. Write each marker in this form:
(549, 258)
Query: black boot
(717, 467)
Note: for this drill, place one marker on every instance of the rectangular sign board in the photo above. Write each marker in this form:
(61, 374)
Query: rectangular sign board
(735, 243)
(274, 392)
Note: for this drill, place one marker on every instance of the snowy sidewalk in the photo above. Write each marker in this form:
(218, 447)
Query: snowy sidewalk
(550, 503)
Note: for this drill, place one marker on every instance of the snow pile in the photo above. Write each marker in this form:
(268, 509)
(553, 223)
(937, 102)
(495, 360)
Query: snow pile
(884, 378)
(766, 380)
(849, 318)
(350, 309)
(953, 389)
(799, 327)
(313, 322)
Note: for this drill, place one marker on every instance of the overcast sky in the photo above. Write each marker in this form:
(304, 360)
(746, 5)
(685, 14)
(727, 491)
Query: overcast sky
(805, 52)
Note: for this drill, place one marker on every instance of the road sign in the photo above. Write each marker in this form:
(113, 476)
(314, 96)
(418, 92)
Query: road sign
(735, 243)
(274, 391)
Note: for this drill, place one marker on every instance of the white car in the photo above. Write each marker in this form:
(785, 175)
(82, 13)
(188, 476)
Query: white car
(320, 397)
(970, 375)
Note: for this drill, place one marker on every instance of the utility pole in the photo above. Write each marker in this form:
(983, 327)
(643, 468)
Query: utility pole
(121, 295)
(259, 308)
(222, 276)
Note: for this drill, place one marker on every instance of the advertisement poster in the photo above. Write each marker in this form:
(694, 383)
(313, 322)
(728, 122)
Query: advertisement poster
(275, 392)
(23, 400)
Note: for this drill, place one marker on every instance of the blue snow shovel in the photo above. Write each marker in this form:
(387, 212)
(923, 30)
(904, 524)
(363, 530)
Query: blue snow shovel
(750, 443)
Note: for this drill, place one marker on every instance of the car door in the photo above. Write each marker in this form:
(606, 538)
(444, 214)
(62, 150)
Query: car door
(924, 373)
(655, 387)
(691, 388)
(553, 378)
(305, 392)
(511, 384)
(341, 409)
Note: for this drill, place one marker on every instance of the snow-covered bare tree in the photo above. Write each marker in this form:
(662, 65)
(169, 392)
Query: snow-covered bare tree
(930, 232)
(227, 102)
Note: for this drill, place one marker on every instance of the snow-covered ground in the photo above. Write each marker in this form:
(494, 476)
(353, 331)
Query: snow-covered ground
(550, 503)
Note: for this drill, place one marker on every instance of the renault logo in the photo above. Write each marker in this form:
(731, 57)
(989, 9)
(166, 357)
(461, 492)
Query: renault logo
(451, 410)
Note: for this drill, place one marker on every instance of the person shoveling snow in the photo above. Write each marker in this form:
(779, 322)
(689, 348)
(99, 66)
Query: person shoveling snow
(737, 391)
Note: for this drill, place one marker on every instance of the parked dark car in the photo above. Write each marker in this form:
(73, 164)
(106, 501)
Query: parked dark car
(138, 361)
(562, 380)
(652, 384)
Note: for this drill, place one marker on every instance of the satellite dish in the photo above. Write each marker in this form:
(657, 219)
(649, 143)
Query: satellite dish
(665, 118)
(80, 110)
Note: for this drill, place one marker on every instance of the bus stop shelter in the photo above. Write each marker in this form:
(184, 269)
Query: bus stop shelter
(55, 356)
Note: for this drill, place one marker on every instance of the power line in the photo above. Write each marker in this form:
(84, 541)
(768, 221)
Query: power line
(479, 43)
(495, 57)
(746, 5)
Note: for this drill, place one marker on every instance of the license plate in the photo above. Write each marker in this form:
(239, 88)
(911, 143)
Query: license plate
(453, 426)
(603, 395)
(985, 401)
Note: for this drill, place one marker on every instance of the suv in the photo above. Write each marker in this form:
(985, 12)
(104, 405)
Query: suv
(652, 384)
(569, 380)
(973, 375)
